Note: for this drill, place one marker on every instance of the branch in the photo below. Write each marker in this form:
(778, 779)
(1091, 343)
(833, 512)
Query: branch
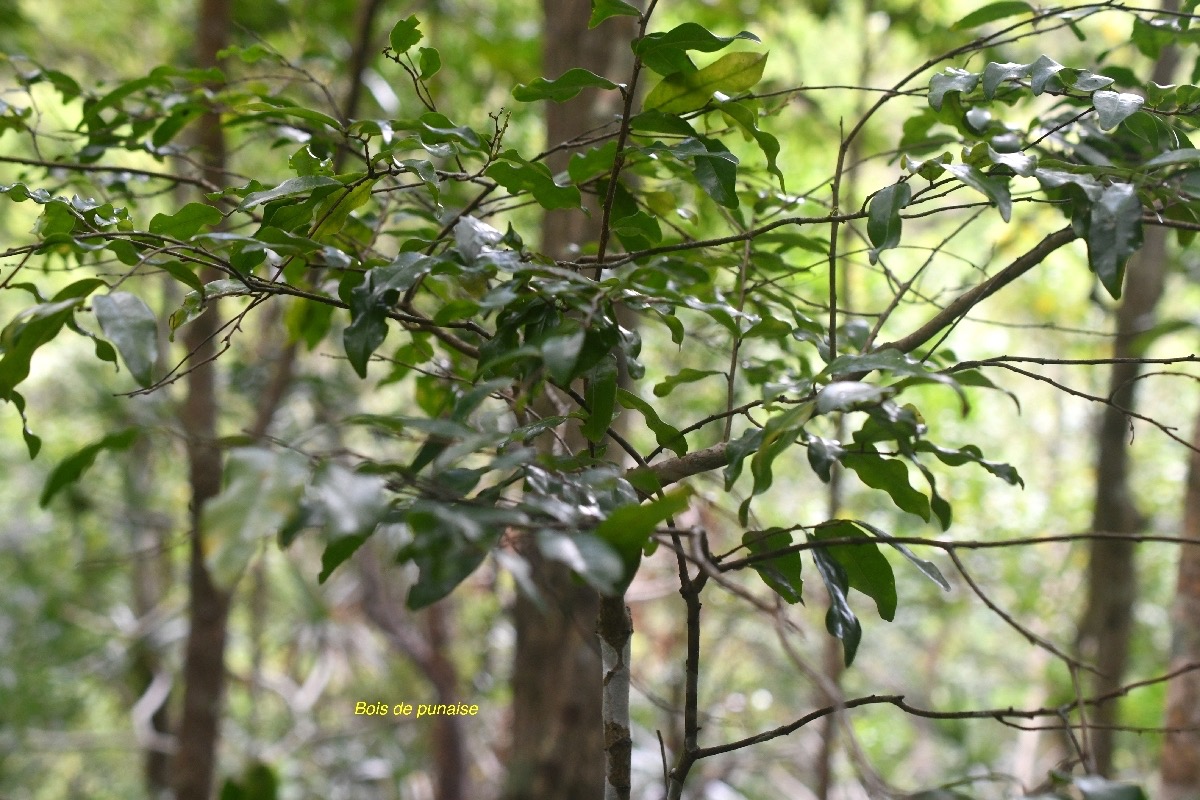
(968, 300)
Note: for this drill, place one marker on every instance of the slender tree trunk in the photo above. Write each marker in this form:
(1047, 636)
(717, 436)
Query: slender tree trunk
(1107, 621)
(1181, 747)
(558, 739)
(208, 616)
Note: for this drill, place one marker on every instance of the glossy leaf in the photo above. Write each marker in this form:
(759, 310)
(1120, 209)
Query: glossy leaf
(866, 568)
(133, 328)
(1114, 107)
(588, 556)
(883, 217)
(666, 52)
(889, 475)
(840, 619)
(781, 572)
(628, 528)
(292, 187)
(1114, 234)
(665, 435)
(562, 88)
(687, 91)
(603, 9)
(952, 80)
(993, 188)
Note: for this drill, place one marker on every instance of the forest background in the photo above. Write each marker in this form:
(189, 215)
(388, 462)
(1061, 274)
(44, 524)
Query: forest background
(303, 503)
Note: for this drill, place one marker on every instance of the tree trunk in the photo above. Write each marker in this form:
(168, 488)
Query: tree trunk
(208, 614)
(1181, 748)
(1107, 621)
(558, 743)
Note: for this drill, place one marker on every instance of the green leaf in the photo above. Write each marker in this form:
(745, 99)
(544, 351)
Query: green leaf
(995, 74)
(928, 568)
(628, 528)
(593, 163)
(994, 189)
(666, 52)
(889, 475)
(601, 399)
(685, 375)
(133, 328)
(517, 176)
(667, 436)
(429, 61)
(336, 553)
(1114, 234)
(781, 572)
(688, 91)
(823, 454)
(992, 12)
(1186, 155)
(952, 80)
(262, 489)
(1113, 107)
(588, 556)
(562, 88)
(851, 396)
(747, 119)
(839, 620)
(866, 568)
(603, 9)
(405, 34)
(71, 468)
(560, 354)
(28, 331)
(971, 454)
(883, 218)
(1041, 71)
(717, 173)
(292, 187)
(186, 222)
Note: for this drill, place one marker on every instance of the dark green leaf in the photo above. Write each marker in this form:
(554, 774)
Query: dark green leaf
(839, 620)
(929, 569)
(891, 476)
(823, 454)
(601, 398)
(782, 572)
(995, 74)
(995, 189)
(866, 568)
(992, 12)
(717, 173)
(883, 217)
(71, 468)
(133, 328)
(666, 435)
(666, 52)
(292, 187)
(628, 528)
(336, 553)
(1187, 155)
(603, 9)
(1114, 234)
(562, 88)
(952, 80)
(588, 556)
